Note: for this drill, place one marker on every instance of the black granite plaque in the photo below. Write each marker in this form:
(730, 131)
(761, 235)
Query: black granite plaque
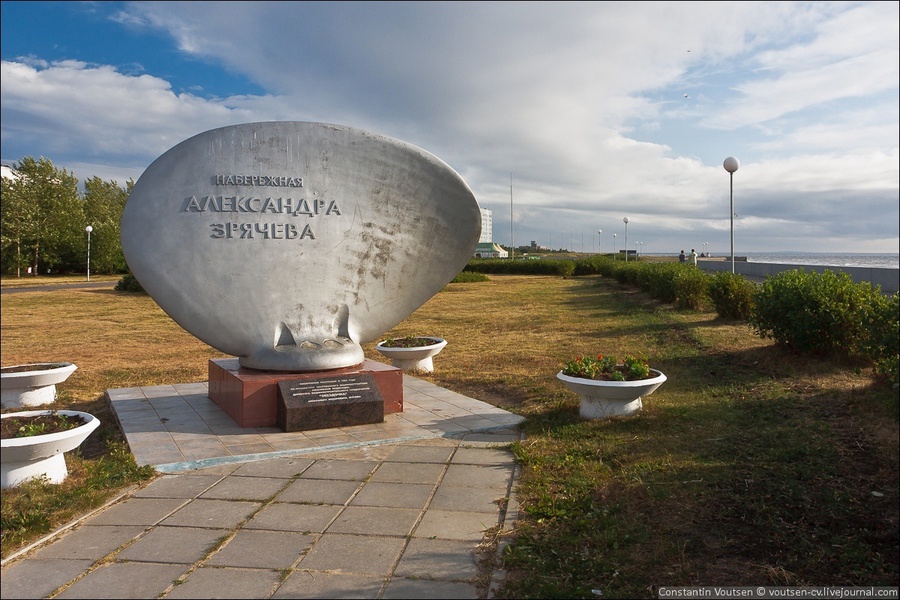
(325, 402)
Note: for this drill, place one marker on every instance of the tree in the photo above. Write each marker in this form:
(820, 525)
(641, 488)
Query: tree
(41, 212)
(104, 203)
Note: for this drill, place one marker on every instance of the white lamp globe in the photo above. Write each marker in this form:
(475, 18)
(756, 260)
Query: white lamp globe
(731, 164)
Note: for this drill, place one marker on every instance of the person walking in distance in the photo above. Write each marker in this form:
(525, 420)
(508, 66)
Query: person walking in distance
(693, 257)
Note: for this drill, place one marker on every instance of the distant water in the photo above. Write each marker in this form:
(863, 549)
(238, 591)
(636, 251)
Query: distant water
(845, 259)
(850, 259)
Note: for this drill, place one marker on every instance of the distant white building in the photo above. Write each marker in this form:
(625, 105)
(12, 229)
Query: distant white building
(487, 227)
(486, 247)
(7, 172)
(490, 250)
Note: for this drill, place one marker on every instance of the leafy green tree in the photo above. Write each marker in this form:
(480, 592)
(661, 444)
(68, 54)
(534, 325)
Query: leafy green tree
(104, 203)
(41, 214)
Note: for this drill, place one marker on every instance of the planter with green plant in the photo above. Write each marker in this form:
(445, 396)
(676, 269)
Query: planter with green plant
(412, 354)
(34, 443)
(608, 388)
(32, 384)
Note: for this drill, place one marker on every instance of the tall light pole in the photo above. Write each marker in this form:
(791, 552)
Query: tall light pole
(731, 165)
(599, 241)
(512, 237)
(89, 229)
(625, 220)
(614, 246)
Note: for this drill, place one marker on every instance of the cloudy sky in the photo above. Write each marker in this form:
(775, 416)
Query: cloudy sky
(565, 116)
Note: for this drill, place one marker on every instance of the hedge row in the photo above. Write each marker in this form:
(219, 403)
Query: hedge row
(822, 314)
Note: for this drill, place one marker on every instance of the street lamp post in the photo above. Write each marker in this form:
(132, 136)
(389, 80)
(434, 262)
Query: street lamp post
(599, 241)
(89, 229)
(625, 220)
(731, 165)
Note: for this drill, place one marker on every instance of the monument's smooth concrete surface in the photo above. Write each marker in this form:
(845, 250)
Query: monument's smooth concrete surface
(289, 244)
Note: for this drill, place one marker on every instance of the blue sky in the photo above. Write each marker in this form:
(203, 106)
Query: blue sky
(594, 111)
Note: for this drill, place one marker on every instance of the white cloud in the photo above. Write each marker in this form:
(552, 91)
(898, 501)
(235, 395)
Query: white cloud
(583, 103)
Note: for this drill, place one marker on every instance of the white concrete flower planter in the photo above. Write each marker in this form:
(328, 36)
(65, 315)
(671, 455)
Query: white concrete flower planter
(32, 384)
(36, 456)
(602, 399)
(419, 359)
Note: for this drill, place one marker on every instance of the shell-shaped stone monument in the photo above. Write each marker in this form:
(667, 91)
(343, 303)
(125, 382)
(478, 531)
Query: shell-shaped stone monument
(290, 244)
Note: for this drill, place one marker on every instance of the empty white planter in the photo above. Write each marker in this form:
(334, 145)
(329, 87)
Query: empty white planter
(35, 456)
(601, 399)
(419, 359)
(32, 384)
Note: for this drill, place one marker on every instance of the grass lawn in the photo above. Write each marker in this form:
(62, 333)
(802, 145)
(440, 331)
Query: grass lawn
(748, 466)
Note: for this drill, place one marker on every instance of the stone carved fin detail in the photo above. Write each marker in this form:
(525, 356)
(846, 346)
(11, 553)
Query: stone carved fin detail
(342, 322)
(284, 339)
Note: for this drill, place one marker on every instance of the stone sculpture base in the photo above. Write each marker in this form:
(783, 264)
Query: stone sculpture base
(251, 397)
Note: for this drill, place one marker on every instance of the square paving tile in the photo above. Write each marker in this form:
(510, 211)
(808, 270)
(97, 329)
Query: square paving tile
(364, 555)
(125, 580)
(91, 541)
(373, 520)
(262, 549)
(225, 514)
(138, 511)
(319, 491)
(277, 516)
(218, 582)
(402, 495)
(318, 584)
(172, 545)
(438, 559)
(245, 488)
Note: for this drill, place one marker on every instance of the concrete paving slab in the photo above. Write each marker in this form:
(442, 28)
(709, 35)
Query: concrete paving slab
(178, 486)
(397, 495)
(438, 559)
(294, 517)
(404, 472)
(262, 549)
(318, 584)
(288, 467)
(138, 511)
(38, 578)
(245, 488)
(376, 520)
(220, 514)
(433, 590)
(91, 541)
(351, 470)
(319, 491)
(360, 554)
(125, 580)
(455, 525)
(217, 582)
(183, 545)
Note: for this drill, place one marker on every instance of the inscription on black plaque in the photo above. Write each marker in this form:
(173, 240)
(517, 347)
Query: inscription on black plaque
(322, 403)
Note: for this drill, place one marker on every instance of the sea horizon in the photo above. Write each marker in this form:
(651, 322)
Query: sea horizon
(880, 260)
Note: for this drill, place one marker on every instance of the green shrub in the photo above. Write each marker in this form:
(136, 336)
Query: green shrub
(881, 334)
(469, 277)
(810, 313)
(129, 283)
(691, 286)
(505, 266)
(732, 295)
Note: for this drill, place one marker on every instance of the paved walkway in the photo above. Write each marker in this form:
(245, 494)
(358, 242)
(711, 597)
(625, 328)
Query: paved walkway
(414, 507)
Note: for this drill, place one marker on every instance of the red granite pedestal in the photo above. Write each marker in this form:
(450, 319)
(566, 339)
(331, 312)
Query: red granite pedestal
(250, 396)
